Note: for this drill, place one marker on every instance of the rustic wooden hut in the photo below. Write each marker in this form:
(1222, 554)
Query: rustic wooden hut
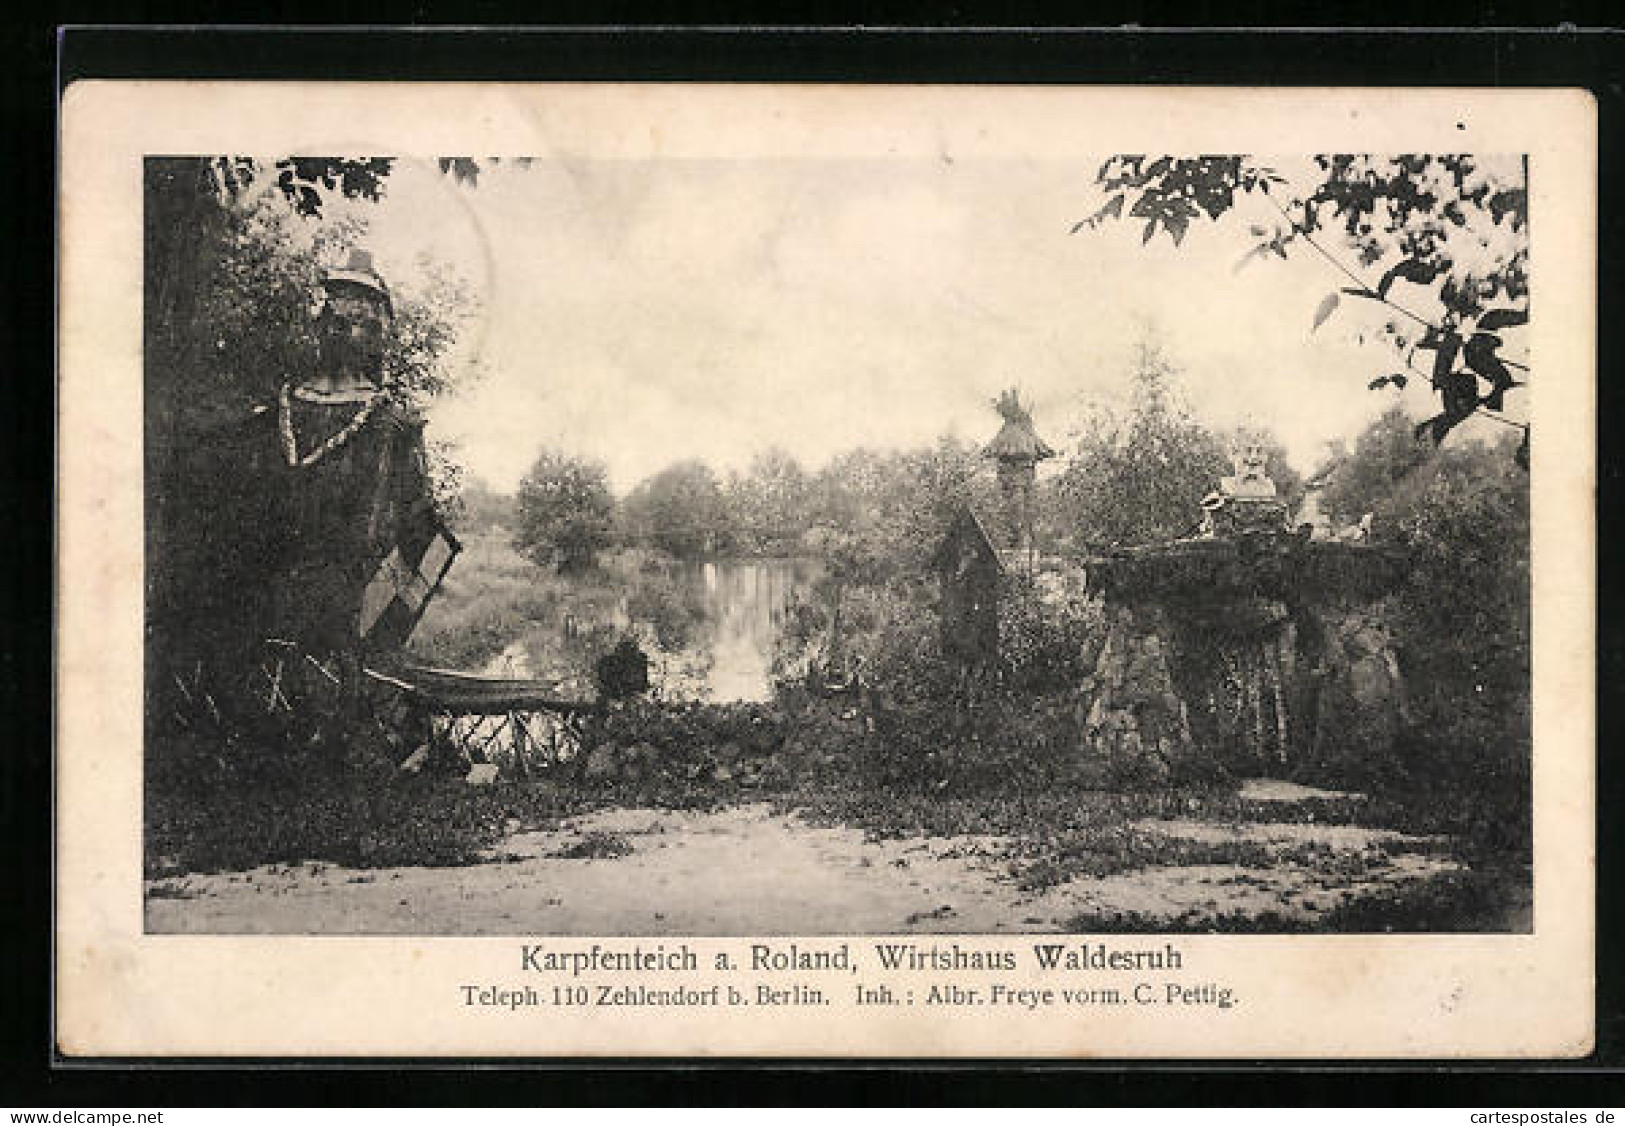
(970, 569)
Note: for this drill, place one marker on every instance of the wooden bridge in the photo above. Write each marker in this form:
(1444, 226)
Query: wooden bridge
(518, 727)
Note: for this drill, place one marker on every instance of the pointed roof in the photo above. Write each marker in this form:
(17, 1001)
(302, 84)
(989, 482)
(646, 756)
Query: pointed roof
(1017, 440)
(967, 523)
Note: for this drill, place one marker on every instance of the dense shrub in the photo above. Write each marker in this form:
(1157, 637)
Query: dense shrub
(1050, 634)
(931, 724)
(1461, 627)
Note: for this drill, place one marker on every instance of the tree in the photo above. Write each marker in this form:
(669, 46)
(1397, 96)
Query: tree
(1385, 455)
(1464, 517)
(768, 506)
(848, 489)
(1439, 241)
(565, 513)
(885, 512)
(1461, 516)
(679, 510)
(1141, 478)
(929, 488)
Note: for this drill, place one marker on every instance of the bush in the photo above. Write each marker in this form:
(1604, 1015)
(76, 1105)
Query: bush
(1462, 631)
(213, 806)
(933, 725)
(1048, 641)
(682, 731)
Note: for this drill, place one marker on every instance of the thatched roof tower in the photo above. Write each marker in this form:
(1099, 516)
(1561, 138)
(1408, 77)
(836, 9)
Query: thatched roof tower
(1017, 442)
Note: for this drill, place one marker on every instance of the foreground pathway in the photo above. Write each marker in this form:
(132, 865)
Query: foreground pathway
(747, 870)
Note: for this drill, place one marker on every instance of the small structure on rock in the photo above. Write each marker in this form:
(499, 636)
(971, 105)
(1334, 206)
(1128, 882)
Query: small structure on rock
(1250, 646)
(1247, 500)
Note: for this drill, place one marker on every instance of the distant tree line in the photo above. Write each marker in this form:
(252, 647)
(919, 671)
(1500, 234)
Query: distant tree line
(865, 509)
(1132, 475)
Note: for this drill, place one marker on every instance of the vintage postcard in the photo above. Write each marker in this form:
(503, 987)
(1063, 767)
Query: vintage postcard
(655, 570)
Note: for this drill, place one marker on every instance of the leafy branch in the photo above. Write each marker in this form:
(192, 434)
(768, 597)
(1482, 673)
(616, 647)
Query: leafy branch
(1457, 387)
(1423, 205)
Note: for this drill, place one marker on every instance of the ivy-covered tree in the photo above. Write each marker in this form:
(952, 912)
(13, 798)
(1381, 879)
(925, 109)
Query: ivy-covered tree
(214, 227)
(1438, 242)
(234, 254)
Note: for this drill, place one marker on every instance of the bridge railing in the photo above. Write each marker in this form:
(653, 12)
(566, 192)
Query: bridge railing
(518, 728)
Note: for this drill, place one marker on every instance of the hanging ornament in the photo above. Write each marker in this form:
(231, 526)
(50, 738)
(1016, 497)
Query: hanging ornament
(290, 448)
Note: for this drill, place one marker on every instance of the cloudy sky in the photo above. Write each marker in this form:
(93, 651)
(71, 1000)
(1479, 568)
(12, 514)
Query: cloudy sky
(646, 311)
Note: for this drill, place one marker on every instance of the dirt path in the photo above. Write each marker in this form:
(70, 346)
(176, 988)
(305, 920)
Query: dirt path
(749, 870)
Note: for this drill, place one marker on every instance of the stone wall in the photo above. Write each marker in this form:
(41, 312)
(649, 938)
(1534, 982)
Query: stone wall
(1136, 719)
(1246, 685)
(1359, 707)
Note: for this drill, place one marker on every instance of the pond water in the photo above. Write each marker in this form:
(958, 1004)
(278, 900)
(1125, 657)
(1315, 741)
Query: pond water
(745, 603)
(729, 655)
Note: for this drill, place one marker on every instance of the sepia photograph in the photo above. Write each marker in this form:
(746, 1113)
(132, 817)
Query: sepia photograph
(820, 546)
(630, 570)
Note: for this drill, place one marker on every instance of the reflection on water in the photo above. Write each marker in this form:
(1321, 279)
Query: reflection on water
(729, 655)
(745, 603)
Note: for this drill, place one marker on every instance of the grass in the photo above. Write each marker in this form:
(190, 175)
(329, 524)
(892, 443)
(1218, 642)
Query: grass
(296, 810)
(1044, 839)
(1458, 902)
(596, 846)
(489, 598)
(889, 814)
(1051, 838)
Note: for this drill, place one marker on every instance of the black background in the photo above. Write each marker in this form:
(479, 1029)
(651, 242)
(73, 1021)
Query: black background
(31, 1076)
